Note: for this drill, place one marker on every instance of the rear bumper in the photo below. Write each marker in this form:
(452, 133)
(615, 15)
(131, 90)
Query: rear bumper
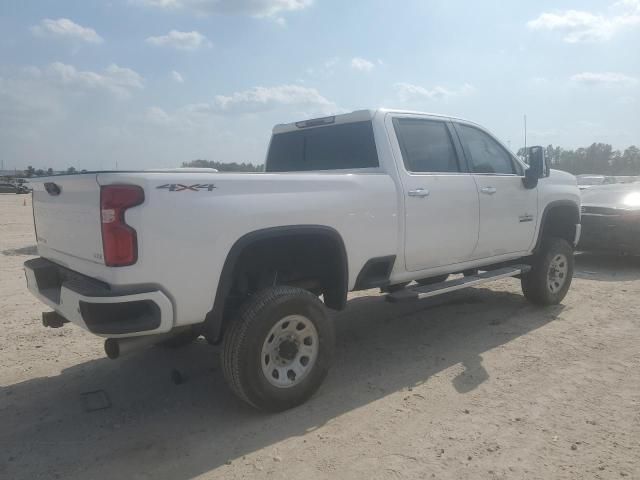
(96, 306)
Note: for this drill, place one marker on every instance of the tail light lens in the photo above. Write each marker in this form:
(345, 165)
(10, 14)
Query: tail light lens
(119, 240)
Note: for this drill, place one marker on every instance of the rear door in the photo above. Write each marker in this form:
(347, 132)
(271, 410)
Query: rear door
(508, 210)
(441, 200)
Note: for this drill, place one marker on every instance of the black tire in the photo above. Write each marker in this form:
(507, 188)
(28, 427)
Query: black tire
(432, 280)
(246, 336)
(536, 284)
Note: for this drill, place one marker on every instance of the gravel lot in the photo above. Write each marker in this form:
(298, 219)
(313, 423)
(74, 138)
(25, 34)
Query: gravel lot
(476, 384)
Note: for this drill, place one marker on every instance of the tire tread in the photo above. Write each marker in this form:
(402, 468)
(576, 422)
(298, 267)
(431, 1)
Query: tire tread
(533, 283)
(236, 335)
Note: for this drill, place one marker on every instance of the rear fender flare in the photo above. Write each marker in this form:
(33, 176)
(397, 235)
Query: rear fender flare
(214, 321)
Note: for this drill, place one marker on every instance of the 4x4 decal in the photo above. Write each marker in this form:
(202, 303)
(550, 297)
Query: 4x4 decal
(178, 187)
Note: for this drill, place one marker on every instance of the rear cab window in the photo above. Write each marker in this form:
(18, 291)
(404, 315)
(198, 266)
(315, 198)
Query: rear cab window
(344, 146)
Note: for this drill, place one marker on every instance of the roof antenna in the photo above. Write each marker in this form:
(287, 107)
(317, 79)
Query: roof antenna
(525, 135)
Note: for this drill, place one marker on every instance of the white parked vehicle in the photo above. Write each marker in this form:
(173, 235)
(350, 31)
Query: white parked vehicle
(373, 198)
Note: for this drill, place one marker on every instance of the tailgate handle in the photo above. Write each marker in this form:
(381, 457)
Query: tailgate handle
(52, 188)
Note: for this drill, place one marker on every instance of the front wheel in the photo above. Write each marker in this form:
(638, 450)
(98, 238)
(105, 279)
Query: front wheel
(278, 351)
(551, 273)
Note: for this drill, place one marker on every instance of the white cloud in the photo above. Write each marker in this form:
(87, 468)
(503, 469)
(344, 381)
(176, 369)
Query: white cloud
(255, 8)
(177, 76)
(267, 98)
(253, 100)
(361, 64)
(117, 80)
(65, 28)
(583, 26)
(408, 92)
(606, 79)
(43, 109)
(538, 81)
(24, 103)
(180, 40)
(158, 116)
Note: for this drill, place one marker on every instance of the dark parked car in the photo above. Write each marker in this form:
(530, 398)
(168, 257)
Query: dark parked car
(611, 218)
(13, 188)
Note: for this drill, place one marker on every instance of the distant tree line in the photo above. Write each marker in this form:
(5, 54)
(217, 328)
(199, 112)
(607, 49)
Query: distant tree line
(599, 158)
(32, 172)
(224, 167)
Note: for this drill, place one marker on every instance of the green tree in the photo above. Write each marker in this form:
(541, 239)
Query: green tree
(71, 170)
(598, 158)
(49, 171)
(630, 161)
(30, 171)
(224, 167)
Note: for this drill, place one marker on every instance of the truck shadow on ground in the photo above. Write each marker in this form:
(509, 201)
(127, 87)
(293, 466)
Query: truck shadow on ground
(157, 429)
(607, 267)
(30, 250)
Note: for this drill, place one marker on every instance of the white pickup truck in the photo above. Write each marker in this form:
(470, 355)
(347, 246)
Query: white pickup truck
(373, 198)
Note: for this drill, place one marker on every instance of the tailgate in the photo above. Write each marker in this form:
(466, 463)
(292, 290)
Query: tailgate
(66, 212)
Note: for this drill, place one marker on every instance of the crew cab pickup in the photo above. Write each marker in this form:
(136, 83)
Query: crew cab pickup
(368, 199)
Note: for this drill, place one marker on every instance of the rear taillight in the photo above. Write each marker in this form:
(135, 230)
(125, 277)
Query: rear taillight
(119, 240)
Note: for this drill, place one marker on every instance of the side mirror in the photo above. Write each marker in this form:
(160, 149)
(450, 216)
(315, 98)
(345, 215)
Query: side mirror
(538, 167)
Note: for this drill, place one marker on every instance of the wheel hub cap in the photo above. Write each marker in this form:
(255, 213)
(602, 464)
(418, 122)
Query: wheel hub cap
(558, 271)
(289, 351)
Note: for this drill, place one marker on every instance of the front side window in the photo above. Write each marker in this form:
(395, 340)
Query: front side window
(486, 155)
(426, 145)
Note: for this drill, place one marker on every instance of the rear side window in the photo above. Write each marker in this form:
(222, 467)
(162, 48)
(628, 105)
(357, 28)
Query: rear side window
(486, 155)
(336, 147)
(426, 145)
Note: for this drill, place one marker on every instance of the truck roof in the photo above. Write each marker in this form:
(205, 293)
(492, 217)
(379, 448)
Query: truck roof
(355, 116)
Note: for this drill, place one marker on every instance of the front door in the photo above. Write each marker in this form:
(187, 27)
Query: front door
(441, 200)
(508, 210)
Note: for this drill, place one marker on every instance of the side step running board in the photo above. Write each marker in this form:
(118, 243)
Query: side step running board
(419, 292)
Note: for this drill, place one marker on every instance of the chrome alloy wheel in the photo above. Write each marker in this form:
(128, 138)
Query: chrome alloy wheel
(290, 351)
(557, 275)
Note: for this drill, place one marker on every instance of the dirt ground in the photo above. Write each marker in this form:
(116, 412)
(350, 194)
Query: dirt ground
(475, 384)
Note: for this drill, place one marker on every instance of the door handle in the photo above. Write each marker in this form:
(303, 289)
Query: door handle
(488, 190)
(418, 192)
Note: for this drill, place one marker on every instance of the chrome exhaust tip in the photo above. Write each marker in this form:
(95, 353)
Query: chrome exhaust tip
(118, 347)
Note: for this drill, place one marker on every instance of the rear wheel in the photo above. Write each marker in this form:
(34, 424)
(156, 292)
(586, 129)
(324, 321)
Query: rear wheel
(278, 351)
(432, 280)
(551, 273)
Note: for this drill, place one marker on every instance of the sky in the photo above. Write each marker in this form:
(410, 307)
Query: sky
(135, 84)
